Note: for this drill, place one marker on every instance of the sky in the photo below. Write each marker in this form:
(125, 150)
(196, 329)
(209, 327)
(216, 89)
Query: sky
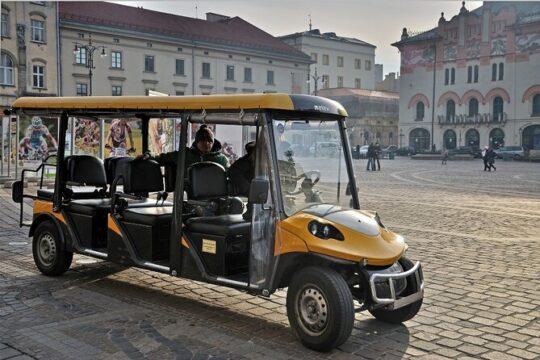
(378, 22)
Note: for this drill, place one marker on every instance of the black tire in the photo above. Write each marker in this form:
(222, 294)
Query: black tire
(407, 312)
(312, 291)
(49, 256)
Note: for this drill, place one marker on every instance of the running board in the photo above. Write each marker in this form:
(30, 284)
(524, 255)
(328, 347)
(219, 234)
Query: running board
(161, 268)
(94, 253)
(231, 282)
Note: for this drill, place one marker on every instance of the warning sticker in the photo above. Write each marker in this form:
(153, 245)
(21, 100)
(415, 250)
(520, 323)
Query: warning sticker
(209, 246)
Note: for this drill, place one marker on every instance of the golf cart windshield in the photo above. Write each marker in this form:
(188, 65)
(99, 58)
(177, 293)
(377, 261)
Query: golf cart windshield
(311, 164)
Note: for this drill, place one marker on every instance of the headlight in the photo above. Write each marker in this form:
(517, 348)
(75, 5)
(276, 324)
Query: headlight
(324, 231)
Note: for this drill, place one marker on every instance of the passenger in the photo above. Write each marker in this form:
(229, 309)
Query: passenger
(242, 172)
(204, 148)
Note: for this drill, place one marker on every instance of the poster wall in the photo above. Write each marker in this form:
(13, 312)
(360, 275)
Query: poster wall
(37, 137)
(161, 136)
(123, 137)
(87, 137)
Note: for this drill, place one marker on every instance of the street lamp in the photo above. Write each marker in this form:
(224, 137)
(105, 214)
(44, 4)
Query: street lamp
(316, 79)
(89, 49)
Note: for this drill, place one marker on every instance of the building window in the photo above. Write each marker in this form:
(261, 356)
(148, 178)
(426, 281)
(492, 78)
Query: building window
(80, 56)
(230, 73)
(501, 71)
(325, 59)
(116, 90)
(358, 83)
(247, 74)
(450, 110)
(179, 68)
(446, 76)
(270, 77)
(469, 74)
(6, 70)
(452, 76)
(475, 73)
(179, 93)
(314, 57)
(82, 89)
(420, 107)
(536, 105)
(4, 24)
(116, 59)
(325, 81)
(498, 107)
(357, 64)
(148, 63)
(493, 72)
(38, 76)
(473, 107)
(340, 61)
(206, 70)
(37, 29)
(340, 81)
(368, 65)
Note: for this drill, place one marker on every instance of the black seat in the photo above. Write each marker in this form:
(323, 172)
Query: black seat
(207, 181)
(222, 225)
(111, 164)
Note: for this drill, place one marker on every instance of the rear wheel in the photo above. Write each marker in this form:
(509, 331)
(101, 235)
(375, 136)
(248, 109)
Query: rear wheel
(405, 313)
(49, 256)
(320, 308)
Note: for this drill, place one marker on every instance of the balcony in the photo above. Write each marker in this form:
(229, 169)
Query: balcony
(478, 119)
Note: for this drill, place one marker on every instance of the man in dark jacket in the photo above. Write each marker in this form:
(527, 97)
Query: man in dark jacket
(242, 172)
(371, 157)
(202, 149)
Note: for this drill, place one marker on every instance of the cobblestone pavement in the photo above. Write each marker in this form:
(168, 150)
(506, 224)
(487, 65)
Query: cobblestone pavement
(475, 232)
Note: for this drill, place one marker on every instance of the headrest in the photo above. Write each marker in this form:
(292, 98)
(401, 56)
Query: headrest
(140, 176)
(111, 167)
(207, 180)
(85, 170)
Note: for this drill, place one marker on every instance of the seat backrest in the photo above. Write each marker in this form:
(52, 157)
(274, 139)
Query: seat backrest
(112, 167)
(140, 176)
(207, 180)
(85, 170)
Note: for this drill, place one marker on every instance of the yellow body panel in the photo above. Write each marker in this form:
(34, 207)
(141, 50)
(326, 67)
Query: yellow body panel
(383, 249)
(214, 102)
(41, 206)
(111, 224)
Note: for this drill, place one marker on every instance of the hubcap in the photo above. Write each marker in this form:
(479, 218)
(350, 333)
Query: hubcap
(312, 309)
(47, 249)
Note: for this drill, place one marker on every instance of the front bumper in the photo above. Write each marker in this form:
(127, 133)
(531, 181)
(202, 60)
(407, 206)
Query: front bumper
(394, 301)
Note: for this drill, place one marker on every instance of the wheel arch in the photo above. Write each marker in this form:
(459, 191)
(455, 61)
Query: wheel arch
(41, 218)
(291, 263)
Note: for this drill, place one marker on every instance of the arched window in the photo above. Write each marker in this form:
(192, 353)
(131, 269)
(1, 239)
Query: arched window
(6, 70)
(473, 107)
(536, 105)
(531, 137)
(419, 111)
(446, 76)
(449, 140)
(498, 108)
(453, 76)
(496, 138)
(450, 110)
(419, 140)
(501, 71)
(472, 138)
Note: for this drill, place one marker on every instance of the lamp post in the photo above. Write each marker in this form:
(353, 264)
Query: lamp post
(401, 135)
(89, 50)
(316, 79)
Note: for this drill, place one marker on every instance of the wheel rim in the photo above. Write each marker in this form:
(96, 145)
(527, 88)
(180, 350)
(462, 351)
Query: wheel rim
(312, 310)
(47, 249)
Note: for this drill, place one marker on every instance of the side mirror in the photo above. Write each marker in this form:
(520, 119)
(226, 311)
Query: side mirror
(258, 191)
(17, 191)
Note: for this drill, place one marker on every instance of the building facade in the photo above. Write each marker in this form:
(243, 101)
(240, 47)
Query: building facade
(28, 56)
(473, 80)
(338, 62)
(373, 115)
(147, 50)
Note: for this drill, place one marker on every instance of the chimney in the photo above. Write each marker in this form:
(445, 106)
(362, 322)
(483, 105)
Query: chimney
(216, 17)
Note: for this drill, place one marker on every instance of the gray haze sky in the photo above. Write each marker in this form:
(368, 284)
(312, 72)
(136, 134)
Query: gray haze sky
(378, 22)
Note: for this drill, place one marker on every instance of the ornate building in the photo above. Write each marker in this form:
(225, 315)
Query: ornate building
(474, 80)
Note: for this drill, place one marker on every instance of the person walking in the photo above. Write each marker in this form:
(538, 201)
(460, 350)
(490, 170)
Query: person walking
(445, 156)
(490, 155)
(376, 157)
(370, 157)
(485, 158)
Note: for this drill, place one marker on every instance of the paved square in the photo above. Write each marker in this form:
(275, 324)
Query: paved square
(476, 233)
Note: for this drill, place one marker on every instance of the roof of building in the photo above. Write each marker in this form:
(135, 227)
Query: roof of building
(315, 33)
(229, 31)
(358, 92)
(527, 12)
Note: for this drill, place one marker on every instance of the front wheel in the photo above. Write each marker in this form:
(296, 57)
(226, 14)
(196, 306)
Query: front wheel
(407, 312)
(49, 256)
(320, 308)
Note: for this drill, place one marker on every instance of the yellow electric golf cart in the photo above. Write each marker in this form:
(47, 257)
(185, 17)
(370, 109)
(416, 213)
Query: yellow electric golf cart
(299, 226)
